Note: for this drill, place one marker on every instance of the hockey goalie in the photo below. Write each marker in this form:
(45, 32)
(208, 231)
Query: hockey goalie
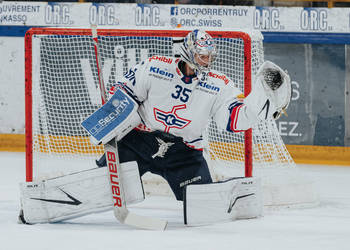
(154, 118)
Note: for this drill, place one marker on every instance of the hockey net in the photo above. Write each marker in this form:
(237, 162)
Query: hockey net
(62, 90)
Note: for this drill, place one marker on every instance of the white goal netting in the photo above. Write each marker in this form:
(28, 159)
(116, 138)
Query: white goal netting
(62, 90)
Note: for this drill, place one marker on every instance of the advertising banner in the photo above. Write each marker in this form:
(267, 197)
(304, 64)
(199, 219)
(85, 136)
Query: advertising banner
(163, 16)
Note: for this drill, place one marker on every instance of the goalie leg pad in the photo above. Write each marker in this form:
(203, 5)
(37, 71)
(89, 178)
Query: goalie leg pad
(236, 198)
(77, 194)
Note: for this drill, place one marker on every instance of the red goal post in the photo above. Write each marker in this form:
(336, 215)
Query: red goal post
(61, 85)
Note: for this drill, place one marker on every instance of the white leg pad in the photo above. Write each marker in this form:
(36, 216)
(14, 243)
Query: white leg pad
(236, 198)
(77, 194)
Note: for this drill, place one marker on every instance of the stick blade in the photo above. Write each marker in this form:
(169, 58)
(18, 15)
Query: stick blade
(145, 222)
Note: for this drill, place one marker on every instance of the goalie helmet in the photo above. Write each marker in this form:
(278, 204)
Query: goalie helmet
(198, 44)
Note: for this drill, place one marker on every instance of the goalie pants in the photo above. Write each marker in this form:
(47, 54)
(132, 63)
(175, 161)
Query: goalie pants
(179, 166)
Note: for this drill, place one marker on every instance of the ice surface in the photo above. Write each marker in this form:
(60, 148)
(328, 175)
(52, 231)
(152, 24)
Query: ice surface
(325, 227)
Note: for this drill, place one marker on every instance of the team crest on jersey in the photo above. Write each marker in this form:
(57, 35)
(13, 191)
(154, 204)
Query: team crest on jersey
(171, 119)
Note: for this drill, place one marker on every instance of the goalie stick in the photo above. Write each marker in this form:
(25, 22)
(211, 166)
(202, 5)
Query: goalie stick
(120, 210)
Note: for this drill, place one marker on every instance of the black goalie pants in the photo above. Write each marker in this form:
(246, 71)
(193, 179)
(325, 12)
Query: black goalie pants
(164, 155)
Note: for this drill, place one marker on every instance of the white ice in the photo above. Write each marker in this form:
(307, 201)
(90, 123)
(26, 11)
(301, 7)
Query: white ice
(325, 227)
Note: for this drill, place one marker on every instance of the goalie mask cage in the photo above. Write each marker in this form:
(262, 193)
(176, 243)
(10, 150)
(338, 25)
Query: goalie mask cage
(62, 89)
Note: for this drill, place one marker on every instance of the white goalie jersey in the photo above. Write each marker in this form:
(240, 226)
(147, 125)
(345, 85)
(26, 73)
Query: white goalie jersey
(180, 105)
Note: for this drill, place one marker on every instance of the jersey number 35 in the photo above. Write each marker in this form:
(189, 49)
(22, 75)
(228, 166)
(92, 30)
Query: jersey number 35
(181, 93)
